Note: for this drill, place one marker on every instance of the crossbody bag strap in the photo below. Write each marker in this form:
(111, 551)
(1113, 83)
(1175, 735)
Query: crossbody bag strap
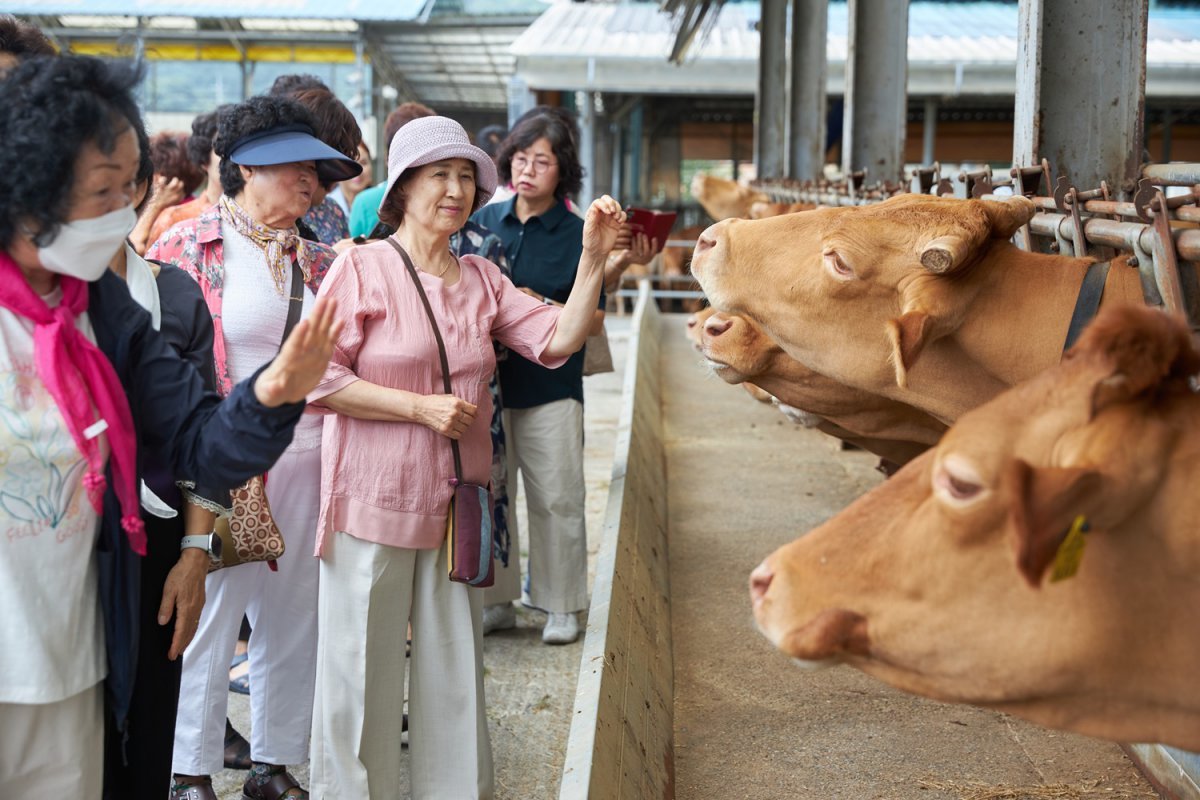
(437, 334)
(295, 302)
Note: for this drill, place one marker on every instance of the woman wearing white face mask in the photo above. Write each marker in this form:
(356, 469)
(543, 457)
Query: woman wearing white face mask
(86, 387)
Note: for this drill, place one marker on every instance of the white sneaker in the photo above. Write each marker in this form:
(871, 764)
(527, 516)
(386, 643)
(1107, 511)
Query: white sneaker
(561, 628)
(499, 617)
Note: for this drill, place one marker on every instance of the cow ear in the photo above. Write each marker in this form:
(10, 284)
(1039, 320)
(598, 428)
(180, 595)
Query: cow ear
(1045, 501)
(908, 334)
(1007, 216)
(1142, 348)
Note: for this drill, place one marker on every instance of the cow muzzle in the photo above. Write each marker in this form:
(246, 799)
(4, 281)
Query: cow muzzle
(707, 256)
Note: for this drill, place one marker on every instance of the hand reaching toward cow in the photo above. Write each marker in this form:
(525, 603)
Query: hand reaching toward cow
(601, 226)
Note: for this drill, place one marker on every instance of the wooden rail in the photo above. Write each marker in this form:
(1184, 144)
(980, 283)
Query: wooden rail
(621, 743)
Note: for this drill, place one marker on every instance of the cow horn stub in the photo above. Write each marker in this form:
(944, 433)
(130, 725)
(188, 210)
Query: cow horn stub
(945, 254)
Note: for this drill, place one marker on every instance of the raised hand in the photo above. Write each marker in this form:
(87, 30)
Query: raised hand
(602, 225)
(301, 363)
(446, 414)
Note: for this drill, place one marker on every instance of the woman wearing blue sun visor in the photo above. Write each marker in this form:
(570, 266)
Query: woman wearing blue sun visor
(256, 274)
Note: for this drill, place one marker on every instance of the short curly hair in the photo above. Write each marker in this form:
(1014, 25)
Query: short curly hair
(200, 143)
(292, 83)
(22, 39)
(168, 151)
(80, 100)
(145, 173)
(558, 127)
(255, 115)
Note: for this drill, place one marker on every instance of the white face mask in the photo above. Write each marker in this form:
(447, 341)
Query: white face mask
(84, 247)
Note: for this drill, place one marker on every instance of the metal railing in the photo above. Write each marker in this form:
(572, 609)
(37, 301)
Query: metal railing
(1161, 233)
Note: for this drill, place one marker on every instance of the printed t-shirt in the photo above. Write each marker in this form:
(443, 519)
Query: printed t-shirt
(51, 639)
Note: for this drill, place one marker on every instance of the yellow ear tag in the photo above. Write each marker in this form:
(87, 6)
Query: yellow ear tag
(1070, 552)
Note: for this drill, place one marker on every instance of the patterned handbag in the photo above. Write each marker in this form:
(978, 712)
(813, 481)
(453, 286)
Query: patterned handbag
(249, 532)
(469, 520)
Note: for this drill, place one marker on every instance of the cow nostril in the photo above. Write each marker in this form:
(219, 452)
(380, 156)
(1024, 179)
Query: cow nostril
(704, 244)
(760, 581)
(715, 326)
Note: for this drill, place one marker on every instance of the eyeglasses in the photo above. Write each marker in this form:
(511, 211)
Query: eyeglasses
(540, 165)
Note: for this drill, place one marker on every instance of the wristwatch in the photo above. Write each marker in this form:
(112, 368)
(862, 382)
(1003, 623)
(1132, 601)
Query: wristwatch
(208, 542)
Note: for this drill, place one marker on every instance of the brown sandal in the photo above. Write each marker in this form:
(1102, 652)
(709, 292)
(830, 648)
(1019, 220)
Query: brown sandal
(279, 786)
(202, 790)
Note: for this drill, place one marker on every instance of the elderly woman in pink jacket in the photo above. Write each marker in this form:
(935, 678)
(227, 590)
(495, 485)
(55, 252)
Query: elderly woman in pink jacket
(387, 462)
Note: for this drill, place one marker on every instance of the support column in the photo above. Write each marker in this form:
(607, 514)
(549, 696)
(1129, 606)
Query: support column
(929, 132)
(770, 108)
(1081, 79)
(586, 101)
(636, 179)
(806, 101)
(876, 89)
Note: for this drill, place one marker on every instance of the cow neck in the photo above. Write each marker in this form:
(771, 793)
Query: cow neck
(1015, 325)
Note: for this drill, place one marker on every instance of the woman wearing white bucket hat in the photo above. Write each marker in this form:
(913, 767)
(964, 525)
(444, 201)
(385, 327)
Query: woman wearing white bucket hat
(386, 460)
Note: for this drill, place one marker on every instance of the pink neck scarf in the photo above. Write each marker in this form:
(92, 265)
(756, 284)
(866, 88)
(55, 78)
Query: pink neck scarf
(82, 382)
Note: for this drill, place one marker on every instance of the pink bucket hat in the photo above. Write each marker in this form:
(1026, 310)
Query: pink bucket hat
(428, 139)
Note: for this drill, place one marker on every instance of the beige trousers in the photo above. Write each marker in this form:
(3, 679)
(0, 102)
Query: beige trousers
(369, 594)
(546, 444)
(53, 749)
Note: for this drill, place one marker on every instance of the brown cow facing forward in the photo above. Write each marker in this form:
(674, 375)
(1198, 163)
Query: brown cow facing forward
(941, 581)
(737, 350)
(919, 298)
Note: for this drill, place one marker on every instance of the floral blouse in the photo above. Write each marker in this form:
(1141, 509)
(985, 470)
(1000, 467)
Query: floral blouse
(196, 247)
(328, 222)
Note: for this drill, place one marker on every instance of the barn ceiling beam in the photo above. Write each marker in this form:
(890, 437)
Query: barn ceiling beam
(1080, 96)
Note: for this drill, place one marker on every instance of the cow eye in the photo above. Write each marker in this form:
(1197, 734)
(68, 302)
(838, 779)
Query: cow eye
(836, 266)
(956, 483)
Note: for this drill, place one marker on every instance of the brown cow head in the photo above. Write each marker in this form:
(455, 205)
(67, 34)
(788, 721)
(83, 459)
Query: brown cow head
(816, 280)
(736, 349)
(937, 581)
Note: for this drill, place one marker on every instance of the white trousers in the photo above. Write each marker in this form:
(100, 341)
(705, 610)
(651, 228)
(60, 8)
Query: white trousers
(282, 608)
(369, 594)
(546, 444)
(53, 749)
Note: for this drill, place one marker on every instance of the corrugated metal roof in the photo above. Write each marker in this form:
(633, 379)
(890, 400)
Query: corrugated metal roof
(938, 32)
(386, 10)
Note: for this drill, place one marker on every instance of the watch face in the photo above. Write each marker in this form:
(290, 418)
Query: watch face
(214, 546)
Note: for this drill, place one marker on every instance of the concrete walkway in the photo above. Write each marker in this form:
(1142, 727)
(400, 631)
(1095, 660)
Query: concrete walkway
(743, 481)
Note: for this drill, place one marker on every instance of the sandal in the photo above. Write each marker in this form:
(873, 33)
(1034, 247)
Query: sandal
(202, 790)
(271, 782)
(237, 749)
(240, 684)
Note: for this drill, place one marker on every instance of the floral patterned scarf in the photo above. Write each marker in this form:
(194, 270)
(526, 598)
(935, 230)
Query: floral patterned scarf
(276, 242)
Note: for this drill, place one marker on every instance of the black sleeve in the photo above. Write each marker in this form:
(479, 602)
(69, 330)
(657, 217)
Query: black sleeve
(186, 322)
(187, 326)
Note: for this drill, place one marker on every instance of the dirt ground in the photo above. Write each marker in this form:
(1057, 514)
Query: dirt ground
(530, 686)
(750, 724)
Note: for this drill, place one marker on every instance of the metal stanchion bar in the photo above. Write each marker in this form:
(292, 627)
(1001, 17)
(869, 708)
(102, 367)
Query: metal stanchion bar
(1172, 174)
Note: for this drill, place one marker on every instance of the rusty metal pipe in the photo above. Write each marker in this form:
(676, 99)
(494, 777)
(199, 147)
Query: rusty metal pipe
(1172, 174)
(1183, 213)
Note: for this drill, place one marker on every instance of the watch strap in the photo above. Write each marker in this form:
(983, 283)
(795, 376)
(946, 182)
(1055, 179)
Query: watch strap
(201, 541)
